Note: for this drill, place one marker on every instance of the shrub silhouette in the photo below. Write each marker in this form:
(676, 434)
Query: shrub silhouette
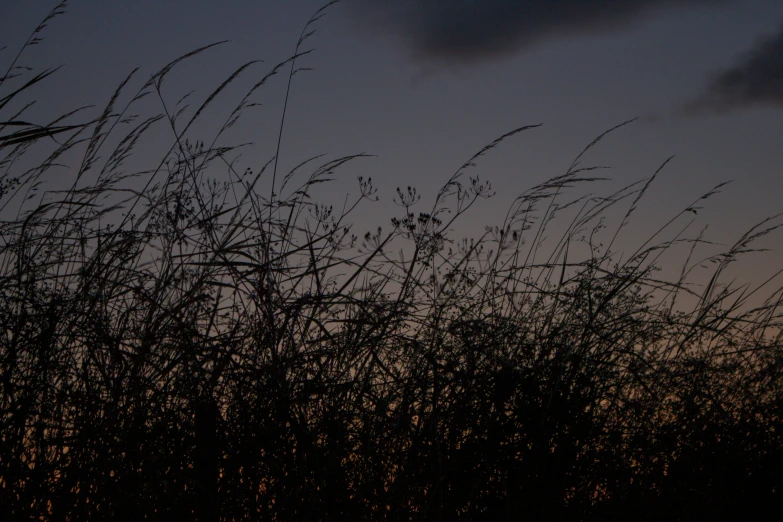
(201, 349)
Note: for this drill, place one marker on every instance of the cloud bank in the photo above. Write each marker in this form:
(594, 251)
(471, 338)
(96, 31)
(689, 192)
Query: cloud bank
(756, 79)
(466, 31)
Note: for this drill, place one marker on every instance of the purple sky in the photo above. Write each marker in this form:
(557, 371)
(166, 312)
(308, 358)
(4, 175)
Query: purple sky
(426, 83)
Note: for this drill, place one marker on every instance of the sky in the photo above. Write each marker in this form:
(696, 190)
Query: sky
(423, 84)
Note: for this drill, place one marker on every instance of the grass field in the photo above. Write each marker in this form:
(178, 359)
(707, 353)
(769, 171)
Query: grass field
(176, 344)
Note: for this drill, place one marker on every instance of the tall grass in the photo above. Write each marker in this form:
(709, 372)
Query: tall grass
(179, 344)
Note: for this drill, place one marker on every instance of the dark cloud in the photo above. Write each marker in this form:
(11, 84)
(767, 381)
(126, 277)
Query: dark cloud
(756, 79)
(464, 31)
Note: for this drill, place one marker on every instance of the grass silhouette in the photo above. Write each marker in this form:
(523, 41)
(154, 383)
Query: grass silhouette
(178, 347)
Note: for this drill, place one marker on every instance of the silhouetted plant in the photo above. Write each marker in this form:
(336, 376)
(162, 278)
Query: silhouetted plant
(175, 346)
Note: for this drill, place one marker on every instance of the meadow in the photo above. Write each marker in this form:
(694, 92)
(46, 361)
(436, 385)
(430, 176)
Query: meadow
(207, 341)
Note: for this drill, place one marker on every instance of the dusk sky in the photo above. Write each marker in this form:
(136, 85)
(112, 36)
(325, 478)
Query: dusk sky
(423, 84)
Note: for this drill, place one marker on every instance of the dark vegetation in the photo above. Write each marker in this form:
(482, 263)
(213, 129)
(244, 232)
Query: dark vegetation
(178, 344)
